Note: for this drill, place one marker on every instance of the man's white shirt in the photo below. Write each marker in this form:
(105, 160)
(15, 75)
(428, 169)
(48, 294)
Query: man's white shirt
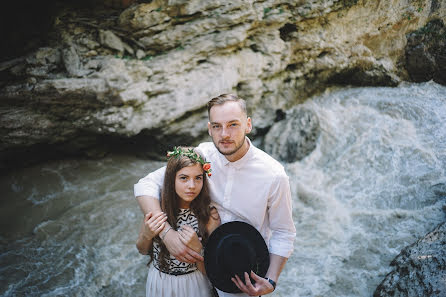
(254, 189)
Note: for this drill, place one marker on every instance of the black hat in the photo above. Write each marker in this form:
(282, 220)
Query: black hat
(234, 248)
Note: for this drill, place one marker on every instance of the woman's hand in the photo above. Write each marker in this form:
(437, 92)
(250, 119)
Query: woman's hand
(153, 224)
(189, 237)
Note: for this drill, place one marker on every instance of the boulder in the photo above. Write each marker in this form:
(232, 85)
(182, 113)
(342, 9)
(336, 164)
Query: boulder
(419, 270)
(294, 137)
(426, 53)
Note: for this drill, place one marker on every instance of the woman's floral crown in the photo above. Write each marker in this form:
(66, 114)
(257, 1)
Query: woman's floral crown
(191, 154)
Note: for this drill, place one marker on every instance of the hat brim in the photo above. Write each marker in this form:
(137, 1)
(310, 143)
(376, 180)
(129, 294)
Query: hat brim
(220, 278)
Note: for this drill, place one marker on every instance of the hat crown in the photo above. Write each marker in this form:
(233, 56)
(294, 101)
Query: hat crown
(236, 255)
(233, 249)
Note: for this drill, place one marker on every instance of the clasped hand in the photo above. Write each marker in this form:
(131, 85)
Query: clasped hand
(153, 224)
(189, 237)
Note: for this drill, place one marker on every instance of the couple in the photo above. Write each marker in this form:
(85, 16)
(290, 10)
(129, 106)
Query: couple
(246, 185)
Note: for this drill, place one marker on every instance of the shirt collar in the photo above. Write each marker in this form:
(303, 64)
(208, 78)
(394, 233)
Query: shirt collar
(239, 163)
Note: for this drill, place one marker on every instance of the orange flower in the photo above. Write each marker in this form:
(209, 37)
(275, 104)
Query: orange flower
(206, 167)
(209, 174)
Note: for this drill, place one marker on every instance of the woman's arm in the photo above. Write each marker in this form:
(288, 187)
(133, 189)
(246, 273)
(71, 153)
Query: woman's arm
(151, 226)
(213, 223)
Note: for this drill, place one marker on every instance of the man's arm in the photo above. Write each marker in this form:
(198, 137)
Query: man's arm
(281, 241)
(148, 204)
(171, 239)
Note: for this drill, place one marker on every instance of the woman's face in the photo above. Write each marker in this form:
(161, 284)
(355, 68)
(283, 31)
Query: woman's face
(188, 184)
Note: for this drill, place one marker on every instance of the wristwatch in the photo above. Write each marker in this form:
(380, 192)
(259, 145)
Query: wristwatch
(273, 283)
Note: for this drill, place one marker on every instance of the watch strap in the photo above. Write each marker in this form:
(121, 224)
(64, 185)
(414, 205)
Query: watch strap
(273, 283)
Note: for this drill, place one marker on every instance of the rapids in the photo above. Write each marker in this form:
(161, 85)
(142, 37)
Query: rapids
(374, 184)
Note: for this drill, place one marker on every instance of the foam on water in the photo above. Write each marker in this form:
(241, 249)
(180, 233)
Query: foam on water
(374, 184)
(369, 189)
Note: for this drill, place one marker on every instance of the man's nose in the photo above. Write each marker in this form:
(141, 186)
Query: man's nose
(224, 132)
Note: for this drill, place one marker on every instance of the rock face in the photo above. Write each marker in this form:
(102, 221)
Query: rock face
(293, 138)
(419, 270)
(426, 53)
(142, 75)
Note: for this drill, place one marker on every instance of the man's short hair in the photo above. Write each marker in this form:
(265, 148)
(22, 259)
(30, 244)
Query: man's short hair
(223, 98)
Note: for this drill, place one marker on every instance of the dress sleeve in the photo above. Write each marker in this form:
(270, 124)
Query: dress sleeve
(151, 184)
(281, 222)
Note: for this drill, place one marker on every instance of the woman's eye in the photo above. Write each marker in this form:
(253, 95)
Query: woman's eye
(199, 177)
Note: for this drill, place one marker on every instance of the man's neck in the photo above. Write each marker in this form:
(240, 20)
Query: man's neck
(240, 153)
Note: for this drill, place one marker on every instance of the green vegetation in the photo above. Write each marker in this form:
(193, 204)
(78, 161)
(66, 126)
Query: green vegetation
(268, 11)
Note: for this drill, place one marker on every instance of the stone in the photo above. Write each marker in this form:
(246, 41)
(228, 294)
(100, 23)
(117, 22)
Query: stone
(109, 39)
(294, 137)
(72, 62)
(140, 54)
(143, 16)
(419, 270)
(175, 55)
(128, 48)
(426, 53)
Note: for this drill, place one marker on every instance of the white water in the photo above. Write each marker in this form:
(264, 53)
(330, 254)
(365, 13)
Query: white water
(374, 184)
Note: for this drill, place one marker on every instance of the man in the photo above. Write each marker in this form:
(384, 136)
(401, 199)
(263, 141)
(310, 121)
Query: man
(246, 185)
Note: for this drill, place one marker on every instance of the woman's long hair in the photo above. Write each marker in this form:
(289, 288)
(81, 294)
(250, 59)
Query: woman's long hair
(200, 206)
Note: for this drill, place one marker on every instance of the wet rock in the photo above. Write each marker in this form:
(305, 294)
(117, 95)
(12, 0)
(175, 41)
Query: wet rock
(426, 53)
(419, 270)
(72, 62)
(109, 39)
(152, 67)
(295, 137)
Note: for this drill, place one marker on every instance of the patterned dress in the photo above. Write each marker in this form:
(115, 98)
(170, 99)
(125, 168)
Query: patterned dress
(181, 279)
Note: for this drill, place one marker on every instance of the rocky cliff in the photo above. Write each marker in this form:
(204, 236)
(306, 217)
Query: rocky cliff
(138, 74)
(419, 270)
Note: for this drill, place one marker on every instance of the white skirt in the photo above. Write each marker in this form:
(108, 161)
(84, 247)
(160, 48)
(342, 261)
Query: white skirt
(193, 284)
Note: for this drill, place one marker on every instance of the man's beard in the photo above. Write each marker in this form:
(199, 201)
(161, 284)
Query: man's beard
(234, 150)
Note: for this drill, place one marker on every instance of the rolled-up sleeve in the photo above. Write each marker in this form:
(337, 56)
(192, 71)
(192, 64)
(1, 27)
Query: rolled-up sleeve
(283, 231)
(151, 184)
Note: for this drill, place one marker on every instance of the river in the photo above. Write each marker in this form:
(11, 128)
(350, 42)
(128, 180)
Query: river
(374, 184)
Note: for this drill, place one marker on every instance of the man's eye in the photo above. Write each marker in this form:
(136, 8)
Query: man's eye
(215, 126)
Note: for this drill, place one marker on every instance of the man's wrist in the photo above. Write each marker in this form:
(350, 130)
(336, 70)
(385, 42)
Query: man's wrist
(273, 283)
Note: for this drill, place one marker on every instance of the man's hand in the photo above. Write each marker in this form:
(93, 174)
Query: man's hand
(260, 288)
(179, 250)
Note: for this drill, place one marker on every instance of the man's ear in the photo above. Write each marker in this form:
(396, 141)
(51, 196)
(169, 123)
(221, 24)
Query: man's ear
(209, 129)
(248, 125)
